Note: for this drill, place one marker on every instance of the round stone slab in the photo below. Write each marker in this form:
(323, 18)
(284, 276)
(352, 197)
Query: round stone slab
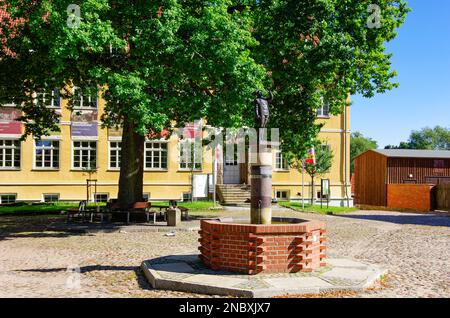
(187, 273)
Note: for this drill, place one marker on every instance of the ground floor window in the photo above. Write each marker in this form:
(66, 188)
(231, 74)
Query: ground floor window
(101, 197)
(115, 147)
(9, 154)
(54, 197)
(146, 197)
(155, 155)
(84, 154)
(47, 154)
(187, 196)
(282, 194)
(190, 155)
(7, 198)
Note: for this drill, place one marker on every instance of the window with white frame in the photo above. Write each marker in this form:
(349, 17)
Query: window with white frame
(50, 98)
(155, 155)
(9, 154)
(46, 154)
(85, 97)
(190, 155)
(282, 194)
(187, 196)
(51, 197)
(7, 198)
(101, 197)
(324, 110)
(115, 147)
(281, 163)
(84, 154)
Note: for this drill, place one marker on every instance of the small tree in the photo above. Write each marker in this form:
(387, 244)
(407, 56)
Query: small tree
(324, 161)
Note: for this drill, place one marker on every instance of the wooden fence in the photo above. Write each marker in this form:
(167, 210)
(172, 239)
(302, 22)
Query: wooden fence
(443, 196)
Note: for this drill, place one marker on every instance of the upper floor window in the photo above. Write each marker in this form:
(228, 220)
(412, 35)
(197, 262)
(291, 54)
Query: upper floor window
(47, 154)
(85, 154)
(85, 97)
(324, 110)
(280, 162)
(9, 154)
(155, 155)
(190, 155)
(115, 147)
(50, 98)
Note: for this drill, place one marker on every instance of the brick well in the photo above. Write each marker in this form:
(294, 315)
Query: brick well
(252, 249)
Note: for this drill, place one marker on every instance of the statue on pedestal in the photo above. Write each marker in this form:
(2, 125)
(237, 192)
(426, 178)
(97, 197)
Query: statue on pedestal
(262, 109)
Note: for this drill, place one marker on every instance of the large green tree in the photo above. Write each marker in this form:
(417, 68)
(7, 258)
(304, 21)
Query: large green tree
(166, 61)
(437, 138)
(358, 145)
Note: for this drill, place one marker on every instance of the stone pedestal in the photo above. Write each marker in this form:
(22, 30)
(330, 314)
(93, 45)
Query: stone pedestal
(173, 217)
(261, 193)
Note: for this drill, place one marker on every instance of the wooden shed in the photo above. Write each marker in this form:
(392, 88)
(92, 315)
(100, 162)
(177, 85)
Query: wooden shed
(375, 170)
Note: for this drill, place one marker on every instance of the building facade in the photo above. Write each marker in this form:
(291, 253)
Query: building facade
(57, 166)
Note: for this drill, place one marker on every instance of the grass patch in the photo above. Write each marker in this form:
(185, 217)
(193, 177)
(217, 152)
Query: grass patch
(316, 208)
(38, 208)
(192, 206)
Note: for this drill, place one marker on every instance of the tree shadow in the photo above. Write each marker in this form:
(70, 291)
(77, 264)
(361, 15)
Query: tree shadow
(406, 219)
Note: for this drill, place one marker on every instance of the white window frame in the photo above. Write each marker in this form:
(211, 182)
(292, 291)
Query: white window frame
(320, 112)
(89, 149)
(14, 194)
(82, 97)
(52, 98)
(14, 149)
(44, 194)
(94, 198)
(193, 155)
(281, 164)
(288, 195)
(45, 149)
(160, 150)
(118, 151)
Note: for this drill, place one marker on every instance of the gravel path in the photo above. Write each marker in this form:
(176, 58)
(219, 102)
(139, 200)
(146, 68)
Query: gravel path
(35, 262)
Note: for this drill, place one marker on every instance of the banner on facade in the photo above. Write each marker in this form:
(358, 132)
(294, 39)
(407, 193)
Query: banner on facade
(9, 125)
(115, 133)
(84, 123)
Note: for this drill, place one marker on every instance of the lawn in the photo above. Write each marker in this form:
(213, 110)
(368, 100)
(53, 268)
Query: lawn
(316, 208)
(50, 208)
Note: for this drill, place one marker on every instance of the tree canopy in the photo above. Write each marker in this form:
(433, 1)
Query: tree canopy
(437, 138)
(358, 145)
(159, 62)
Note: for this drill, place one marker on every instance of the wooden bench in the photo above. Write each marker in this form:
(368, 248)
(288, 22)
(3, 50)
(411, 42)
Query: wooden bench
(79, 212)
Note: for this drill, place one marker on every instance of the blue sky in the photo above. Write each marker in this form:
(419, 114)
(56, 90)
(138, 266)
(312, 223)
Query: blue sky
(422, 60)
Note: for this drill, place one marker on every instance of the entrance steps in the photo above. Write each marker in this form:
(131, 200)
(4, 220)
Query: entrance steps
(234, 194)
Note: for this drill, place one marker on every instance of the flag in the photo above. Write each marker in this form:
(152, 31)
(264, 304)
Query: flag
(311, 157)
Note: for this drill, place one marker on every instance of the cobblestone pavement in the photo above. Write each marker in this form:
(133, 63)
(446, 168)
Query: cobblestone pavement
(35, 262)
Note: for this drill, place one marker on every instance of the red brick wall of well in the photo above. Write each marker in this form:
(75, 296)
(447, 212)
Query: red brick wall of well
(253, 249)
(417, 197)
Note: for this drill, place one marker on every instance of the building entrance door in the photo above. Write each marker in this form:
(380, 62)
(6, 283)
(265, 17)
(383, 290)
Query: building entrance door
(231, 168)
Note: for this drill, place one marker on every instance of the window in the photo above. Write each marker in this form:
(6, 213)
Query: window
(85, 98)
(7, 198)
(84, 154)
(101, 197)
(51, 197)
(9, 154)
(190, 155)
(115, 148)
(282, 194)
(187, 196)
(47, 154)
(50, 98)
(280, 162)
(155, 155)
(324, 110)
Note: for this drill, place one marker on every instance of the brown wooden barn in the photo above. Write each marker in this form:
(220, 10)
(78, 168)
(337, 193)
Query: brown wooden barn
(382, 176)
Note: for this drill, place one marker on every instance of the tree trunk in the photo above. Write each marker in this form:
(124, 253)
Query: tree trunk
(131, 165)
(313, 190)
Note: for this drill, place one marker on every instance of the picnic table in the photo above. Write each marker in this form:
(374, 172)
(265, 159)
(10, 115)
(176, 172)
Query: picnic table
(165, 208)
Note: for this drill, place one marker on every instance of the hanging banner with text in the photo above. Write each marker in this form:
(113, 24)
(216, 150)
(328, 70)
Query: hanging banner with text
(9, 125)
(84, 123)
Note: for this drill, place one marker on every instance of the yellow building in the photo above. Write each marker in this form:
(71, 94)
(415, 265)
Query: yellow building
(56, 167)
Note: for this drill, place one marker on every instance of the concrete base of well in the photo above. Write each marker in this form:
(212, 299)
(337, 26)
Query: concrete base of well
(187, 273)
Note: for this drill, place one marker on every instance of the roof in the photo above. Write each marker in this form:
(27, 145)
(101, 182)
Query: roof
(412, 153)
